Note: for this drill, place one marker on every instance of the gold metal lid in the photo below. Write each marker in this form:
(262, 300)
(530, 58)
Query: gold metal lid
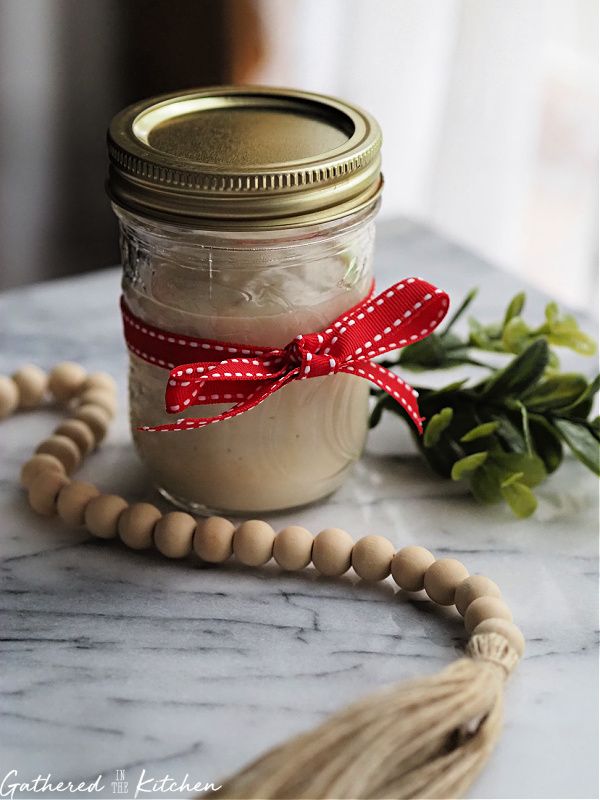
(244, 157)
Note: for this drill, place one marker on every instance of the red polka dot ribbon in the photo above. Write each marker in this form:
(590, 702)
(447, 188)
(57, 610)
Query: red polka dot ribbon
(206, 372)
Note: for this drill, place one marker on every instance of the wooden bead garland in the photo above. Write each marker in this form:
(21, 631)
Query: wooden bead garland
(72, 501)
(31, 383)
(495, 639)
(136, 525)
(292, 549)
(213, 539)
(372, 558)
(173, 534)
(332, 552)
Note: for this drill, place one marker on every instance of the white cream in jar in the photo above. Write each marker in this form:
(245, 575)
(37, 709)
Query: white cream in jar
(252, 281)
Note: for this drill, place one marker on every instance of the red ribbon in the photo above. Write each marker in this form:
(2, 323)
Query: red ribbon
(205, 371)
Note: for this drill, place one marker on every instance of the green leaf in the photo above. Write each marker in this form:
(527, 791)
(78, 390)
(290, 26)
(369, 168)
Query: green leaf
(581, 407)
(523, 371)
(429, 353)
(595, 426)
(485, 485)
(510, 434)
(552, 314)
(575, 340)
(480, 432)
(436, 426)
(512, 478)
(516, 335)
(546, 442)
(515, 307)
(525, 425)
(556, 391)
(470, 296)
(531, 466)
(468, 464)
(520, 498)
(582, 442)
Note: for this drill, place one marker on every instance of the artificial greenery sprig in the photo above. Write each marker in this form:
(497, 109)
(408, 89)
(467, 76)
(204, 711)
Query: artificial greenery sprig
(506, 433)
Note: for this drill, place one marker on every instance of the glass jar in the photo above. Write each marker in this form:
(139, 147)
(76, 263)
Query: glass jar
(257, 280)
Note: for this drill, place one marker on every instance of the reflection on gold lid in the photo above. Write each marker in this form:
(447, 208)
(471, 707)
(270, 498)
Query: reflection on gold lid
(244, 158)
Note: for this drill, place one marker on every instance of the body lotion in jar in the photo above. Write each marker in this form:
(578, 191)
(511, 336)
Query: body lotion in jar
(247, 216)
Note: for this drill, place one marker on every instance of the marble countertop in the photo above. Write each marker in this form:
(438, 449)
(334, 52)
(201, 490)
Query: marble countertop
(113, 660)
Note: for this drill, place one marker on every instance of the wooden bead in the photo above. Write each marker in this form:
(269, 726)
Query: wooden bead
(292, 548)
(43, 491)
(9, 396)
(100, 397)
(409, 566)
(473, 587)
(442, 579)
(100, 380)
(96, 418)
(136, 525)
(80, 433)
(372, 557)
(504, 628)
(173, 534)
(332, 551)
(31, 382)
(66, 380)
(102, 514)
(213, 539)
(486, 608)
(253, 542)
(64, 449)
(72, 502)
(42, 462)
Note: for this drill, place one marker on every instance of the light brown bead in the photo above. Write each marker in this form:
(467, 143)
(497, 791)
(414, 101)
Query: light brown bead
(96, 418)
(100, 380)
(332, 551)
(442, 579)
(409, 566)
(136, 525)
(473, 587)
(9, 396)
(42, 462)
(213, 539)
(72, 502)
(66, 380)
(253, 542)
(504, 628)
(100, 397)
(372, 557)
(64, 449)
(292, 549)
(102, 514)
(486, 608)
(43, 491)
(31, 382)
(80, 433)
(173, 534)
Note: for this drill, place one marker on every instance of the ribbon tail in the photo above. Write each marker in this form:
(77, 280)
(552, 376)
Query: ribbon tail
(255, 398)
(391, 383)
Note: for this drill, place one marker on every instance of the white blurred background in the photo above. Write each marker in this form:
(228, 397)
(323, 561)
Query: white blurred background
(489, 113)
(489, 110)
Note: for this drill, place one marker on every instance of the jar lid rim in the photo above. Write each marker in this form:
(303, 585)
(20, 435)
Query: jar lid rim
(256, 156)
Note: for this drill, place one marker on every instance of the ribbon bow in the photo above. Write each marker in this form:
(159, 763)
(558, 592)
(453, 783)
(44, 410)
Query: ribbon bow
(246, 375)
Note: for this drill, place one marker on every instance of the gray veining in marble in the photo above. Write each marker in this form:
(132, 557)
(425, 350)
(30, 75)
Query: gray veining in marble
(116, 660)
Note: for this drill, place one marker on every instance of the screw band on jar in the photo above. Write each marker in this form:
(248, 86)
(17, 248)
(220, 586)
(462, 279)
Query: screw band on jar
(494, 648)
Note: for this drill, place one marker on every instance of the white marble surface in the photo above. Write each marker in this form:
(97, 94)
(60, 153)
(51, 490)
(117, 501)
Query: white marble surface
(115, 660)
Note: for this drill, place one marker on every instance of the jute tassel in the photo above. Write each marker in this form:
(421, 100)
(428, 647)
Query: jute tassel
(428, 738)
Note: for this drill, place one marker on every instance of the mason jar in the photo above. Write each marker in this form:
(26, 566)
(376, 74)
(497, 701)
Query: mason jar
(246, 216)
